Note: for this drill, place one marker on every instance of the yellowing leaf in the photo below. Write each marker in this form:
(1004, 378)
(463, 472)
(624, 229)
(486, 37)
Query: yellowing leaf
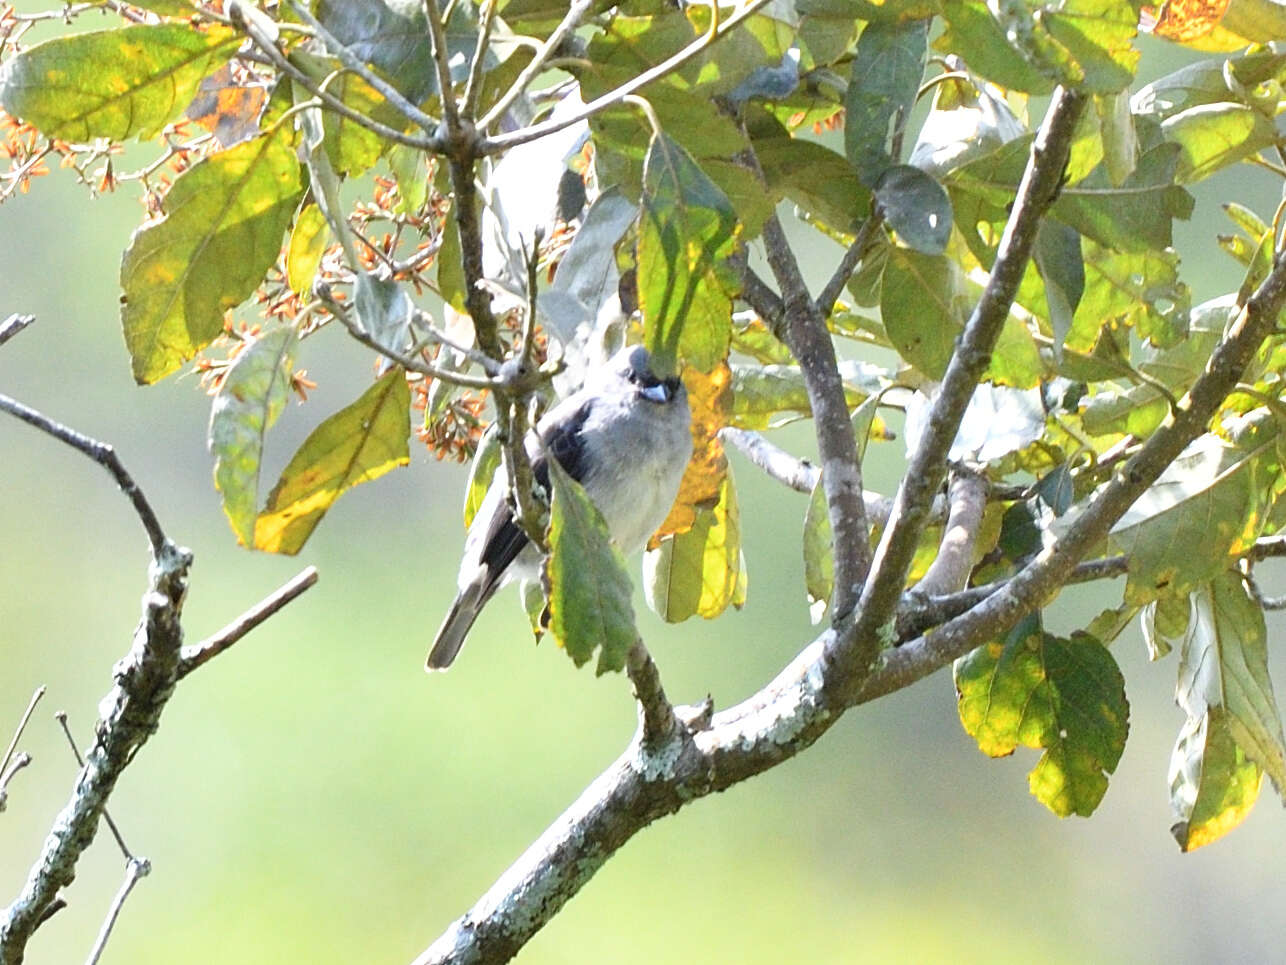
(700, 571)
(307, 245)
(115, 83)
(1213, 784)
(709, 397)
(225, 218)
(357, 444)
(1065, 696)
(250, 398)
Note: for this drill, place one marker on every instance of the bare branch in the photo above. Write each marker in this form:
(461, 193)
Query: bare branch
(927, 466)
(799, 474)
(441, 61)
(949, 571)
(473, 86)
(657, 722)
(105, 456)
(1040, 579)
(7, 773)
(22, 725)
(198, 654)
(575, 13)
(756, 293)
(848, 264)
(14, 324)
(135, 869)
(502, 142)
(353, 63)
(806, 336)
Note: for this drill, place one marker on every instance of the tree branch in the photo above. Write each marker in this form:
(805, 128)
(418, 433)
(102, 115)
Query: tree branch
(198, 654)
(105, 456)
(848, 264)
(502, 142)
(14, 324)
(1036, 192)
(576, 11)
(949, 571)
(806, 336)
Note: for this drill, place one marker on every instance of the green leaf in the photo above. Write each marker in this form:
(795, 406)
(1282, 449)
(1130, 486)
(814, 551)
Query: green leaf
(117, 84)
(1207, 497)
(924, 308)
(1065, 696)
(589, 592)
(1224, 664)
(250, 398)
(1213, 136)
(357, 444)
(225, 217)
(384, 310)
(308, 240)
(916, 207)
(768, 396)
(1057, 256)
(819, 554)
(811, 175)
(1098, 37)
(688, 230)
(482, 470)
(700, 571)
(1164, 622)
(1135, 216)
(410, 166)
(1213, 784)
(973, 32)
(1137, 289)
(881, 91)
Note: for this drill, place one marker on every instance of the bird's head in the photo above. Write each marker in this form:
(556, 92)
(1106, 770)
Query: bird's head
(634, 365)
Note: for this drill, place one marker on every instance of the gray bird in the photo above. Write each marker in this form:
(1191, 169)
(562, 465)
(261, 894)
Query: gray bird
(624, 436)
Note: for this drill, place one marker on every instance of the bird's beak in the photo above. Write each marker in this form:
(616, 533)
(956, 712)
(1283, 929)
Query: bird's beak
(661, 392)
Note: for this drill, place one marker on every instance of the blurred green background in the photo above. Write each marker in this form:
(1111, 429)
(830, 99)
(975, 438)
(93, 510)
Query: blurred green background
(313, 796)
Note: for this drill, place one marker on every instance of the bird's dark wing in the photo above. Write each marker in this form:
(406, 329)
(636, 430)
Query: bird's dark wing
(505, 539)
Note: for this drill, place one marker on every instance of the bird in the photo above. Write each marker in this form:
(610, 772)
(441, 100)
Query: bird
(625, 436)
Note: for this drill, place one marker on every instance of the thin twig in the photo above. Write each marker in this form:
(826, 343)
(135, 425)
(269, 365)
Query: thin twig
(799, 474)
(442, 62)
(473, 86)
(502, 142)
(757, 293)
(102, 454)
(22, 725)
(61, 717)
(341, 312)
(198, 654)
(352, 62)
(135, 869)
(949, 571)
(6, 775)
(848, 264)
(575, 13)
(14, 324)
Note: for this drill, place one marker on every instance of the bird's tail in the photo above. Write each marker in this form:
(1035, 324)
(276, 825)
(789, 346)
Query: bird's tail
(459, 619)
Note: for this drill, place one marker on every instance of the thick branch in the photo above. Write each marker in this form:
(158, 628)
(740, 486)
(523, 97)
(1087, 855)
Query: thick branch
(657, 723)
(927, 466)
(14, 324)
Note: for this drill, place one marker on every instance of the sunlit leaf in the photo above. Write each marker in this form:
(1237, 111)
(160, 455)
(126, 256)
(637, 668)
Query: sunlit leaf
(1213, 784)
(1220, 25)
(973, 32)
(1064, 696)
(227, 109)
(589, 591)
(357, 444)
(688, 230)
(308, 240)
(118, 83)
(225, 217)
(1204, 498)
(710, 398)
(250, 398)
(1213, 136)
(701, 571)
(481, 472)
